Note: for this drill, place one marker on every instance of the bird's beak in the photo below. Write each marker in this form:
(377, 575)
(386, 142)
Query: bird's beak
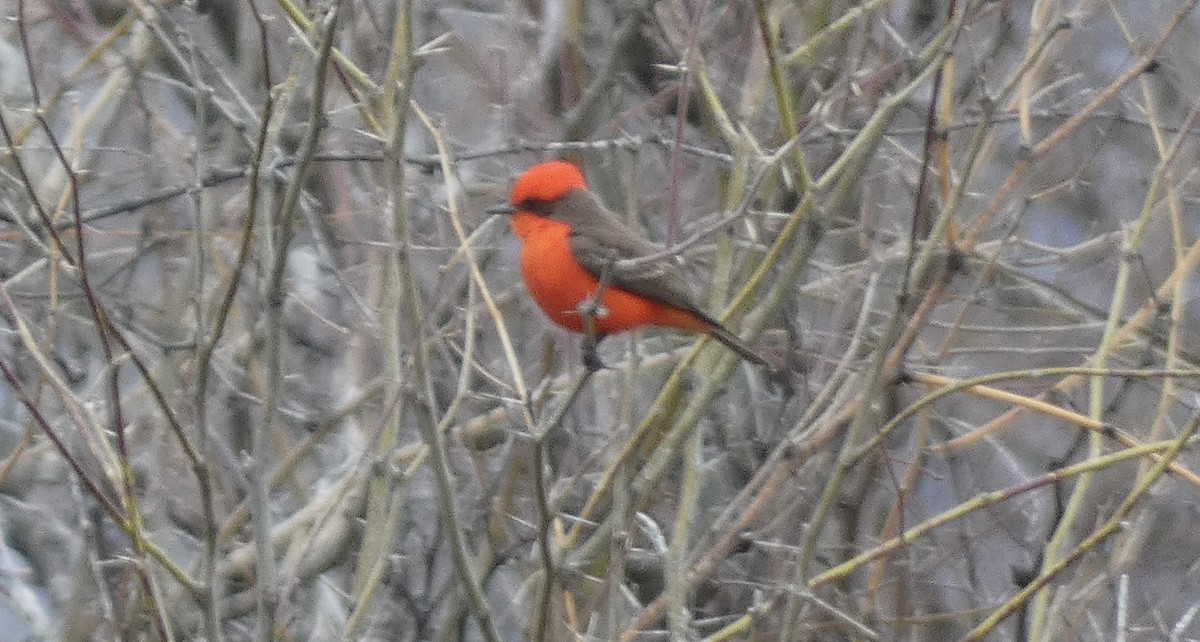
(503, 209)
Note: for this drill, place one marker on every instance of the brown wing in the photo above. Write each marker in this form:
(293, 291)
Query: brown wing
(598, 238)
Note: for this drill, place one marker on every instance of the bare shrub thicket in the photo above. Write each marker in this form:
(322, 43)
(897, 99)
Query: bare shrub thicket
(271, 372)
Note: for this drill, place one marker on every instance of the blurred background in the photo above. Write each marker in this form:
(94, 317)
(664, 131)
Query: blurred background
(271, 373)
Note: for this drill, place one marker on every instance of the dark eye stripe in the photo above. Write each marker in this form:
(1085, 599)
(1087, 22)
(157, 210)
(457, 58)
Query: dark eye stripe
(536, 206)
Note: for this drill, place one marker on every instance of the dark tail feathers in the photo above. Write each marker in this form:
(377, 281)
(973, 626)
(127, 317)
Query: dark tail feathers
(731, 340)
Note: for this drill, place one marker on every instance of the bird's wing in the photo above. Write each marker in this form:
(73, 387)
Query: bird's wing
(599, 239)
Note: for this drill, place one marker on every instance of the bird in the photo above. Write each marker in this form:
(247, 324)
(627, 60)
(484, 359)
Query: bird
(571, 251)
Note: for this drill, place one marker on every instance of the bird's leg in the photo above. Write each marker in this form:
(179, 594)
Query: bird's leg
(591, 356)
(591, 309)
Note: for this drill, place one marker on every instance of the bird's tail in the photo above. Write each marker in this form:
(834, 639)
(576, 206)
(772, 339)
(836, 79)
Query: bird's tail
(698, 321)
(731, 340)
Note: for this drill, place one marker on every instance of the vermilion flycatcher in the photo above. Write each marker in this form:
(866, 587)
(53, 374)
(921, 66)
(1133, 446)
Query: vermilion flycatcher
(569, 240)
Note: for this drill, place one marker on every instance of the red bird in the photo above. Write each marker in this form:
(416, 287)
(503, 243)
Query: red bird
(568, 241)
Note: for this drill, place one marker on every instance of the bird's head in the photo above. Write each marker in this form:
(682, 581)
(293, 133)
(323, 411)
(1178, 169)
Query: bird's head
(545, 183)
(538, 196)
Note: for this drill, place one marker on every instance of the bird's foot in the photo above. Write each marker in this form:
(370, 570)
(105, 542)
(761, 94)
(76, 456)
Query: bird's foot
(591, 309)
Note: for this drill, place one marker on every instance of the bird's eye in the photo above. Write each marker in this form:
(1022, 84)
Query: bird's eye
(536, 205)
